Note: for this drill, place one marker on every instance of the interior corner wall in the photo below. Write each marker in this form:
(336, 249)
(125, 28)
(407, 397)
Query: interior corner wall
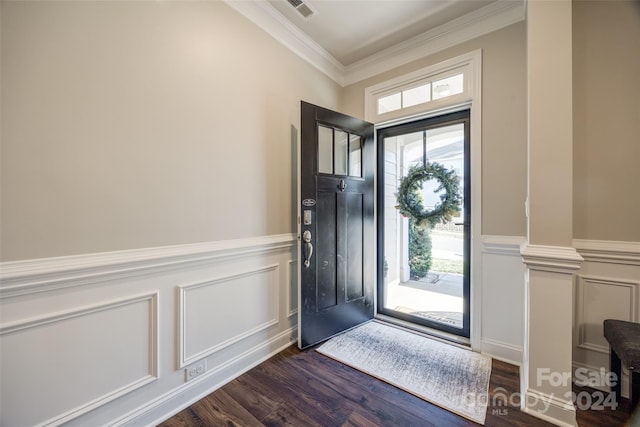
(606, 80)
(606, 199)
(142, 124)
(504, 137)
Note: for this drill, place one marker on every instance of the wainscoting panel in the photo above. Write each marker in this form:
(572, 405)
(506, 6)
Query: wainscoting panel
(250, 298)
(599, 299)
(292, 295)
(62, 365)
(502, 319)
(104, 339)
(606, 287)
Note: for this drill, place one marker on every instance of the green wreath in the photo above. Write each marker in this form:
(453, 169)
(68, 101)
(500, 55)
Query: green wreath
(410, 202)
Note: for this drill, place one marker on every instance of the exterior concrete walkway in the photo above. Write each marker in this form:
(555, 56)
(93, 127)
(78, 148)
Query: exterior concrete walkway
(437, 297)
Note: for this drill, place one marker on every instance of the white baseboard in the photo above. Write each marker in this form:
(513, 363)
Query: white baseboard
(549, 408)
(588, 372)
(502, 351)
(176, 400)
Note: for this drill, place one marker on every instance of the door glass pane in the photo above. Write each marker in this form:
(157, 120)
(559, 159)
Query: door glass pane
(355, 155)
(445, 146)
(325, 149)
(413, 150)
(417, 95)
(342, 147)
(447, 87)
(424, 266)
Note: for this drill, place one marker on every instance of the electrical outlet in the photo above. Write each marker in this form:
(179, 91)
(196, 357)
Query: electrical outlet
(195, 370)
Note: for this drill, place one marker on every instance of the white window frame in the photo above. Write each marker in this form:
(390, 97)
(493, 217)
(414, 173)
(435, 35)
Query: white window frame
(469, 65)
(471, 98)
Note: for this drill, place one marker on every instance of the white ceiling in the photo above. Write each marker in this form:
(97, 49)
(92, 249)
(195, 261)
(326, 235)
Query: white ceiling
(351, 30)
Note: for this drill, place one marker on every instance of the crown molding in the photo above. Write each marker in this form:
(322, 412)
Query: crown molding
(265, 16)
(492, 17)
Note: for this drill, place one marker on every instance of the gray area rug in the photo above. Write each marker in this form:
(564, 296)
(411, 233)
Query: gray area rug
(453, 378)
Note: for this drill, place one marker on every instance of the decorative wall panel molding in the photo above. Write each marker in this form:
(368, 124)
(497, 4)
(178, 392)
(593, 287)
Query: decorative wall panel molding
(97, 339)
(599, 299)
(292, 294)
(606, 287)
(249, 300)
(74, 361)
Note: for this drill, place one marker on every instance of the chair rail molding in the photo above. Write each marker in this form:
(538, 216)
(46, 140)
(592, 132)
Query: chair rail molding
(607, 251)
(557, 259)
(503, 245)
(45, 274)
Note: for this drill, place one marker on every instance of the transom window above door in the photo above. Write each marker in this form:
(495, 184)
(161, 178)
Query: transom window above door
(431, 90)
(422, 93)
(339, 152)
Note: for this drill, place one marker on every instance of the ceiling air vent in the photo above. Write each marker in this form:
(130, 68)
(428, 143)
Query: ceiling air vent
(302, 8)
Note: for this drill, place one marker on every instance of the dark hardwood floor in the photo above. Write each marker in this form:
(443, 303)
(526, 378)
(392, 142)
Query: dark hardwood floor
(305, 388)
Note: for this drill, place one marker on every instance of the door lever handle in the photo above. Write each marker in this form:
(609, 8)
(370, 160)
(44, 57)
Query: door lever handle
(306, 236)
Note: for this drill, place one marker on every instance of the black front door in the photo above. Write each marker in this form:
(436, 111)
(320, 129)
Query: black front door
(337, 224)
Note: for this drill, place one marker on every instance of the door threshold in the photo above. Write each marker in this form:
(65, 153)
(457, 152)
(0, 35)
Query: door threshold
(445, 337)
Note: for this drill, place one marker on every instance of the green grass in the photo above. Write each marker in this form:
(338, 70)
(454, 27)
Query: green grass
(446, 266)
